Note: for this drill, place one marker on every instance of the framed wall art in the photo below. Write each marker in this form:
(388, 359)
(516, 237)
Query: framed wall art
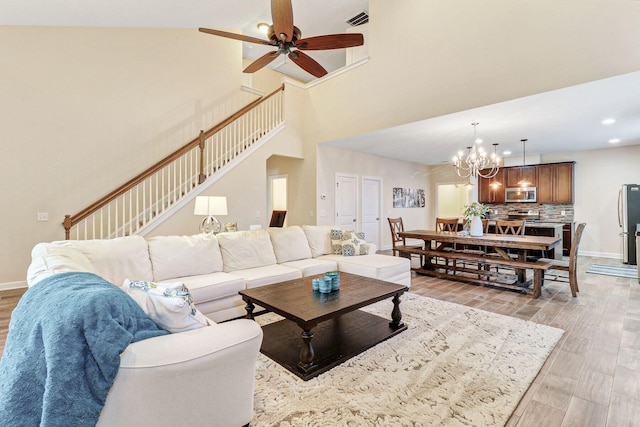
(408, 198)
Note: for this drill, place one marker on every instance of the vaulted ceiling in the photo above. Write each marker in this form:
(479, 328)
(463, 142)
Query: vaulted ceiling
(565, 119)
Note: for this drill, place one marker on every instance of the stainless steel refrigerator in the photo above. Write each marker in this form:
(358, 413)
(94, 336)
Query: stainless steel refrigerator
(629, 219)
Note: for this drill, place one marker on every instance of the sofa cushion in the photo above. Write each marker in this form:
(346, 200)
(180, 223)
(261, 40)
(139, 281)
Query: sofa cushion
(383, 267)
(48, 259)
(170, 306)
(319, 238)
(115, 259)
(312, 266)
(179, 256)
(246, 249)
(212, 286)
(289, 244)
(267, 275)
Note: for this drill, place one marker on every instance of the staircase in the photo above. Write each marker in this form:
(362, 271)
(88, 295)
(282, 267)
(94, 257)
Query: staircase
(172, 182)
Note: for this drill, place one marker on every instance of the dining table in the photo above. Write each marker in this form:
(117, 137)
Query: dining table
(501, 248)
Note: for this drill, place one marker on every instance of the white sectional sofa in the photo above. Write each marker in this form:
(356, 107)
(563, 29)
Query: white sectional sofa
(215, 268)
(211, 369)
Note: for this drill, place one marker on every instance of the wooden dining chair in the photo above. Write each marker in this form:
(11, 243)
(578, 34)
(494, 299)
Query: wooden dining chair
(399, 245)
(572, 265)
(448, 225)
(510, 227)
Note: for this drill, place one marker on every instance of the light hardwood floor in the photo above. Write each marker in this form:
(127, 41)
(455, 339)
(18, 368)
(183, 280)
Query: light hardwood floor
(592, 377)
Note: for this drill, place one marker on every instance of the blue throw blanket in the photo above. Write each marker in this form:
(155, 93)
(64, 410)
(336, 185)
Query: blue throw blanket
(63, 349)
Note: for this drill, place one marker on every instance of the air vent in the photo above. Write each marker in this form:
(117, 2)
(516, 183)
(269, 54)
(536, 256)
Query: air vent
(359, 19)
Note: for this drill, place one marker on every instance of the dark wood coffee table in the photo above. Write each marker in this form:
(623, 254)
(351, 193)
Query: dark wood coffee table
(338, 329)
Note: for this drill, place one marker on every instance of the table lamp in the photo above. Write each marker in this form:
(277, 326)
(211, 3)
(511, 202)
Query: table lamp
(210, 206)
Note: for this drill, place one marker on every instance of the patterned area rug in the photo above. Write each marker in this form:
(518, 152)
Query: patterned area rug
(453, 366)
(628, 271)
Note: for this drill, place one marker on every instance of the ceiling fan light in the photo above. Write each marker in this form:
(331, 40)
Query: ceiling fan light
(263, 27)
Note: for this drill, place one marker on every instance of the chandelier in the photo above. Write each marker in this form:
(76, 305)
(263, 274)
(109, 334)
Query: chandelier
(477, 162)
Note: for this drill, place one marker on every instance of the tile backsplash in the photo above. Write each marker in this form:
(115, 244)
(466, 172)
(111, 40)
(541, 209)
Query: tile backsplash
(550, 213)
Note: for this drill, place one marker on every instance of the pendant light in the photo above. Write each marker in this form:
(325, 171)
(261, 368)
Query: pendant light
(523, 182)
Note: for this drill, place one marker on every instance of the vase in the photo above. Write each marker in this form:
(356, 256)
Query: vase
(476, 227)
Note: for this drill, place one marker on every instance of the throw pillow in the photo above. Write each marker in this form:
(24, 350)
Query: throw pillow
(336, 241)
(353, 244)
(169, 305)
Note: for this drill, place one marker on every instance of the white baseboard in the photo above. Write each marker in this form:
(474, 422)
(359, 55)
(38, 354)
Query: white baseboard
(12, 285)
(600, 254)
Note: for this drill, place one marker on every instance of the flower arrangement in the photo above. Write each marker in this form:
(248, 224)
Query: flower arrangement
(475, 209)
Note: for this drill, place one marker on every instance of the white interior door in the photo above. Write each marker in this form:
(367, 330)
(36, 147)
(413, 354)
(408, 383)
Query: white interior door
(370, 208)
(346, 214)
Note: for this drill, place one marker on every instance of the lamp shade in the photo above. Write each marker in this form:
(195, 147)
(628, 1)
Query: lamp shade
(210, 205)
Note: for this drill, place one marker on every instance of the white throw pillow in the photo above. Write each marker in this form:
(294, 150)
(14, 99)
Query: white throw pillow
(319, 238)
(48, 259)
(353, 244)
(180, 256)
(115, 259)
(289, 244)
(169, 305)
(246, 249)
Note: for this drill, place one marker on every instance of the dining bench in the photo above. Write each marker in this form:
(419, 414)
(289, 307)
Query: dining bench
(538, 267)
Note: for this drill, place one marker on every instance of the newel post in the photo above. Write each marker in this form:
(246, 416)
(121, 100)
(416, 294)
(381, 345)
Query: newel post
(67, 226)
(201, 176)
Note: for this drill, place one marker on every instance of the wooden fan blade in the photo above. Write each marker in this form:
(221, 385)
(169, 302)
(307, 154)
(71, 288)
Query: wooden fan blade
(307, 63)
(261, 62)
(235, 36)
(282, 15)
(330, 41)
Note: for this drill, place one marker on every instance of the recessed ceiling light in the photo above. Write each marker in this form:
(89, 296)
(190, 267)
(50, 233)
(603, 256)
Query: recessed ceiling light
(614, 141)
(263, 27)
(608, 121)
(506, 153)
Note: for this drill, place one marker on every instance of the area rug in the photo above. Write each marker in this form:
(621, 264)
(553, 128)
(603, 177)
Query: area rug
(453, 366)
(628, 271)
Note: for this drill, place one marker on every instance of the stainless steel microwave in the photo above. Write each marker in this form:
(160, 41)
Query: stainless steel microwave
(520, 195)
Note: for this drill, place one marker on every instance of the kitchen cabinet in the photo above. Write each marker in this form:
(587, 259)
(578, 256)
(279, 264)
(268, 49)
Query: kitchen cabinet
(515, 175)
(567, 238)
(491, 190)
(555, 183)
(549, 230)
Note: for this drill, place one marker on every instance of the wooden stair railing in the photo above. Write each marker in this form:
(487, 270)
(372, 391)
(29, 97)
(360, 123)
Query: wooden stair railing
(134, 204)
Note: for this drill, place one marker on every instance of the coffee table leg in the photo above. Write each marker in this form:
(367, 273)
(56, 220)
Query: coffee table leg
(249, 307)
(396, 314)
(306, 352)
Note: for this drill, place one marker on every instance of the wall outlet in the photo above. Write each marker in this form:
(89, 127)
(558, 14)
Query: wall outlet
(42, 216)
(563, 213)
(495, 211)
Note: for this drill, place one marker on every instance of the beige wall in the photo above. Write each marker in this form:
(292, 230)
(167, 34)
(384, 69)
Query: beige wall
(84, 110)
(394, 173)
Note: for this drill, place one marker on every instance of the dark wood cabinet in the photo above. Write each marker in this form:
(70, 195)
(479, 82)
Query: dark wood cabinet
(514, 176)
(555, 183)
(567, 237)
(491, 190)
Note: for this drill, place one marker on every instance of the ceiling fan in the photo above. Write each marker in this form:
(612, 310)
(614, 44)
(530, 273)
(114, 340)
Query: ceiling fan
(286, 37)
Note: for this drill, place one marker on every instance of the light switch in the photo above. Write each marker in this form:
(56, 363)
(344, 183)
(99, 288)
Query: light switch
(563, 213)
